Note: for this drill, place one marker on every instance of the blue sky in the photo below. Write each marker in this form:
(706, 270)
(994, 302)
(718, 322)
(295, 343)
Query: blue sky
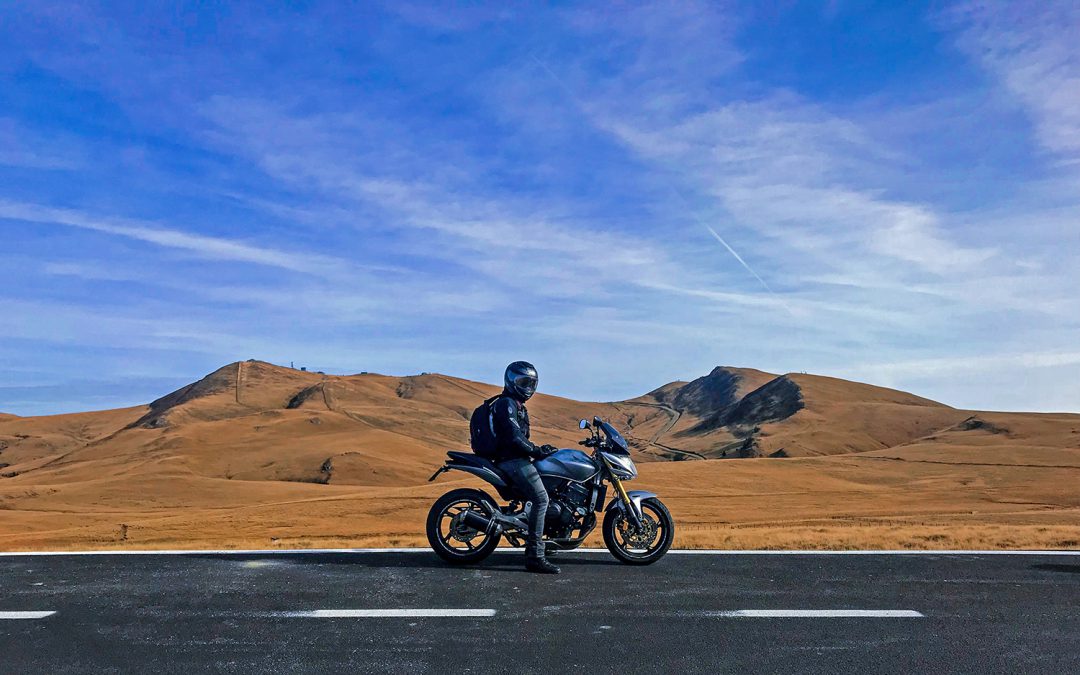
(624, 195)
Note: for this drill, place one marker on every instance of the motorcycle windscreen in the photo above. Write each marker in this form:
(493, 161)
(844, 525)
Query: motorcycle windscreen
(567, 463)
(616, 441)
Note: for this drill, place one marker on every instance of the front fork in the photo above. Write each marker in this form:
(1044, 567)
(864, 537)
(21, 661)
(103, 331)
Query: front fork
(628, 505)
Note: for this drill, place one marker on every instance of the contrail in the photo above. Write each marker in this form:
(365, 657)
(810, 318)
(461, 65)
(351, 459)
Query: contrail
(748, 268)
(739, 258)
(730, 250)
(559, 81)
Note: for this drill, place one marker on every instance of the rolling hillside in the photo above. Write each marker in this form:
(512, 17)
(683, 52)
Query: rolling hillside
(254, 448)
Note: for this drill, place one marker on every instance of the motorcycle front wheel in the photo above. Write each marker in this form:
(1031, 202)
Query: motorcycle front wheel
(452, 540)
(640, 546)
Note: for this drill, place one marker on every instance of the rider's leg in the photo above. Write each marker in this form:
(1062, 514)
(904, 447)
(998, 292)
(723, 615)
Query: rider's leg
(527, 480)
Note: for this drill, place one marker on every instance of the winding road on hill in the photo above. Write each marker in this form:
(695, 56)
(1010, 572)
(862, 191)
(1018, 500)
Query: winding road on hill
(673, 419)
(405, 611)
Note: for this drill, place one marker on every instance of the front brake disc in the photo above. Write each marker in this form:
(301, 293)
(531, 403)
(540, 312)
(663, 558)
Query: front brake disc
(642, 537)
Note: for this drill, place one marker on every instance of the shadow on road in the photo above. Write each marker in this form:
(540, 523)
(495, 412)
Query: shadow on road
(498, 562)
(1051, 567)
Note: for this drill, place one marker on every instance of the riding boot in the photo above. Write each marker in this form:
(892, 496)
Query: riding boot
(535, 560)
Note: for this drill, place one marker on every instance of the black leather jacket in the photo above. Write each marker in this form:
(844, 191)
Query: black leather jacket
(511, 421)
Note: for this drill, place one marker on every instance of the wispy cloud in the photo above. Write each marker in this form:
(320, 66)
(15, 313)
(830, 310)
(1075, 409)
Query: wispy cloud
(501, 237)
(801, 178)
(22, 148)
(214, 248)
(1032, 48)
(968, 364)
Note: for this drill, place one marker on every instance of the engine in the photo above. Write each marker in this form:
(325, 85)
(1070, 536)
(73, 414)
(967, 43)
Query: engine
(569, 500)
(576, 496)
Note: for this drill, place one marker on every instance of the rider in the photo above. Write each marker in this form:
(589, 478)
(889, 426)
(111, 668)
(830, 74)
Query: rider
(516, 453)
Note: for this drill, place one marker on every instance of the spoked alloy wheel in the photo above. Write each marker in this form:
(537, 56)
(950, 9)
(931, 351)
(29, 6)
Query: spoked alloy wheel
(452, 540)
(640, 546)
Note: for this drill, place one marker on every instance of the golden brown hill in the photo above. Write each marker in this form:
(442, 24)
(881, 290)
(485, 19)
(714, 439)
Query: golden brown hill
(737, 412)
(256, 454)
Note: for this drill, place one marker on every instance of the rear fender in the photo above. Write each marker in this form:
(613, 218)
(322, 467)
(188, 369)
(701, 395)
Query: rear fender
(480, 471)
(461, 461)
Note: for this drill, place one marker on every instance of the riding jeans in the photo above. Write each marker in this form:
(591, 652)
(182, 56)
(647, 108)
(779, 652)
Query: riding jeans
(527, 480)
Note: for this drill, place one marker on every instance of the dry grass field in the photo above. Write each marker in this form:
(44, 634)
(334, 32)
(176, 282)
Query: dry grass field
(258, 456)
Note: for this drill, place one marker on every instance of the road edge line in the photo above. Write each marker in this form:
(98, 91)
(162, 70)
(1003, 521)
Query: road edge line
(316, 551)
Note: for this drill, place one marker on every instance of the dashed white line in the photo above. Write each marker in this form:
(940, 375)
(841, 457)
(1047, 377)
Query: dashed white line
(388, 613)
(820, 614)
(25, 615)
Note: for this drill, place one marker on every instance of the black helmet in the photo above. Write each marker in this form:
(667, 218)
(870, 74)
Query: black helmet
(520, 380)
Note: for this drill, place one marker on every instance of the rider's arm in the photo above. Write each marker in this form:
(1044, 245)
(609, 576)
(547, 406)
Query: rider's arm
(509, 432)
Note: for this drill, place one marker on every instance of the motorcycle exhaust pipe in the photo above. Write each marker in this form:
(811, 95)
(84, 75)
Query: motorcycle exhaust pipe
(480, 522)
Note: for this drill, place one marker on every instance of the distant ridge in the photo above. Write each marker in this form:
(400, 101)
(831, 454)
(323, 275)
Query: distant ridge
(258, 421)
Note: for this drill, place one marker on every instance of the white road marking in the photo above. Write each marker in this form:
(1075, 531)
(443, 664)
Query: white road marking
(820, 613)
(388, 613)
(896, 552)
(25, 615)
(317, 551)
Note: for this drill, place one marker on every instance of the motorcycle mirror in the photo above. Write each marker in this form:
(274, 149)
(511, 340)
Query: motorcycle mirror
(583, 424)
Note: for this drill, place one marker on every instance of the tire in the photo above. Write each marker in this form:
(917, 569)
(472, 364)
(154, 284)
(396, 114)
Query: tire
(468, 554)
(653, 509)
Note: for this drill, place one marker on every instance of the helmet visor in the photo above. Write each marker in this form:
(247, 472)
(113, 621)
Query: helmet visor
(525, 383)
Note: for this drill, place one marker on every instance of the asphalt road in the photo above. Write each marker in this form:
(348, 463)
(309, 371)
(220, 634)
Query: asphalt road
(374, 612)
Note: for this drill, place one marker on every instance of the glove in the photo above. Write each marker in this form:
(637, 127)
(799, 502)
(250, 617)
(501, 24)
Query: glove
(546, 450)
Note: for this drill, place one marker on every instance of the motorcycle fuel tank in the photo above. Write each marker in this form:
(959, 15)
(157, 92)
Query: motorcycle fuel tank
(567, 463)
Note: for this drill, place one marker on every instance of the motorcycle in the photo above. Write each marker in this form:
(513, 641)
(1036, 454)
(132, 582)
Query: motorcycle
(464, 526)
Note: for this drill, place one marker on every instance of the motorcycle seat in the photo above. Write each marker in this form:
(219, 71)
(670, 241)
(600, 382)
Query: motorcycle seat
(477, 460)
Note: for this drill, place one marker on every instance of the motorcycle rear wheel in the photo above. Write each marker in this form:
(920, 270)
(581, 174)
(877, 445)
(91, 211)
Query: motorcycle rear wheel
(456, 543)
(627, 551)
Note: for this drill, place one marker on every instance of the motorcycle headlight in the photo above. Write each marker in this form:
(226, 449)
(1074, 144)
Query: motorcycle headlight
(622, 466)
